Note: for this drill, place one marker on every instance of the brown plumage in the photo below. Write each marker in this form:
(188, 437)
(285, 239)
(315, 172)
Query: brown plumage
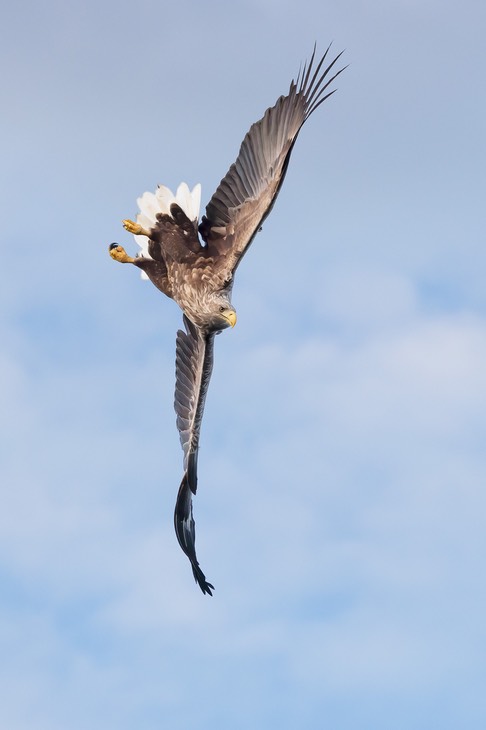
(199, 275)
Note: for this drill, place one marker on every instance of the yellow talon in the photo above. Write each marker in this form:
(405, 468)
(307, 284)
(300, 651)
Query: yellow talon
(119, 254)
(135, 228)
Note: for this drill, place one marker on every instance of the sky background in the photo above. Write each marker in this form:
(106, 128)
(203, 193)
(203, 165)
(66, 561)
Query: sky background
(342, 474)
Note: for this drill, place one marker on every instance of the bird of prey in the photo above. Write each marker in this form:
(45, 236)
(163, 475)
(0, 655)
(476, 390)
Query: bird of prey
(194, 262)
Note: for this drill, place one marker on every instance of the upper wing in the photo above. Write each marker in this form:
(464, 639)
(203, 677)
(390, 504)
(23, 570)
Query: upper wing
(246, 194)
(194, 364)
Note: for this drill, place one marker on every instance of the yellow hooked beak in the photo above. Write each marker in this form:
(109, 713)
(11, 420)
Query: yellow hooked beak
(231, 317)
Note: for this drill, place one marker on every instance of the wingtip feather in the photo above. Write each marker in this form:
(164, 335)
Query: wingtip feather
(186, 533)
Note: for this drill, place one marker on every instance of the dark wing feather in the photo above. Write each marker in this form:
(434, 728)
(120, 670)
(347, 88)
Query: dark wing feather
(246, 194)
(194, 363)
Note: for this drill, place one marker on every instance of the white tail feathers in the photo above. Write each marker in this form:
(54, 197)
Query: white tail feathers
(186, 199)
(151, 204)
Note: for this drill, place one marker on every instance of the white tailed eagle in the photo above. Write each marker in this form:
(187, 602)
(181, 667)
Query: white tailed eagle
(198, 274)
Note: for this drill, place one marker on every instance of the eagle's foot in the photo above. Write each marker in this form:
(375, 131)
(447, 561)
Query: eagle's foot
(118, 253)
(135, 228)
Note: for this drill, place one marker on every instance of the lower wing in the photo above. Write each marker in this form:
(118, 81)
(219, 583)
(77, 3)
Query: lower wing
(194, 364)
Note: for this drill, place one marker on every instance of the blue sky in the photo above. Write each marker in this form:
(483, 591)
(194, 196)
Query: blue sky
(341, 507)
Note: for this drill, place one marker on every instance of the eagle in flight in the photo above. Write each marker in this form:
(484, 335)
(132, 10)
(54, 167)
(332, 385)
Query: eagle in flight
(199, 274)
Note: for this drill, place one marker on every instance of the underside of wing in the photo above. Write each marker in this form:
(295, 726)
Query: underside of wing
(194, 361)
(246, 194)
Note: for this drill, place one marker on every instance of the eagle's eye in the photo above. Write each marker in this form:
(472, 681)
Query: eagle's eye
(221, 309)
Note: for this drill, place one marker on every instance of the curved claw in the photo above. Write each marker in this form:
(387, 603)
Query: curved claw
(135, 228)
(118, 253)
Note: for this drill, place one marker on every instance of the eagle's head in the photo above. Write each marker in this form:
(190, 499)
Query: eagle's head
(224, 317)
(214, 312)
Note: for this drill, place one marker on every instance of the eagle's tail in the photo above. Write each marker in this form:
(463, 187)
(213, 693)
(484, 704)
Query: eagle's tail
(186, 533)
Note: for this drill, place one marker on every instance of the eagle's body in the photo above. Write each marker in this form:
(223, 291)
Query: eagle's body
(198, 275)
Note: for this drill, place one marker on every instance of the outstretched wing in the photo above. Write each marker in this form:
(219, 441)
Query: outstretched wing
(194, 364)
(246, 194)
